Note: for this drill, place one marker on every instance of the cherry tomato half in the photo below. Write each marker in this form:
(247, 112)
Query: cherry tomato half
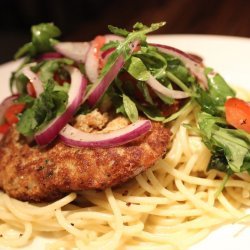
(12, 112)
(31, 90)
(238, 113)
(4, 128)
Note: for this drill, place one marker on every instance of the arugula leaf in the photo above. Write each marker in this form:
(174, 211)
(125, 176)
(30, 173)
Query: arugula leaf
(124, 46)
(15, 74)
(20, 82)
(142, 27)
(109, 45)
(117, 101)
(212, 101)
(42, 110)
(167, 100)
(137, 69)
(121, 109)
(43, 34)
(151, 57)
(218, 161)
(230, 147)
(142, 86)
(179, 112)
(166, 69)
(130, 108)
(42, 40)
(118, 31)
(65, 87)
(27, 99)
(235, 149)
(151, 112)
(139, 26)
(179, 73)
(207, 122)
(219, 89)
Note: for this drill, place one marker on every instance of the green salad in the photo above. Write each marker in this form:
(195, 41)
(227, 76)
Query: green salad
(125, 74)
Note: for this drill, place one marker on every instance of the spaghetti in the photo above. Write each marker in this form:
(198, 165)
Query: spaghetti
(170, 206)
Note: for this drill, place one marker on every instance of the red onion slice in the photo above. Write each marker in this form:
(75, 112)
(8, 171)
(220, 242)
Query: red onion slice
(34, 79)
(158, 87)
(49, 56)
(92, 65)
(92, 60)
(76, 51)
(76, 92)
(99, 88)
(76, 138)
(105, 54)
(6, 103)
(195, 67)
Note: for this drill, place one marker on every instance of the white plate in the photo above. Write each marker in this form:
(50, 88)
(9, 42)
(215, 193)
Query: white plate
(227, 55)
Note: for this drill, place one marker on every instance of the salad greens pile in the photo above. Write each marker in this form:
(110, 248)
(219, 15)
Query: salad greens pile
(130, 96)
(230, 147)
(40, 111)
(52, 102)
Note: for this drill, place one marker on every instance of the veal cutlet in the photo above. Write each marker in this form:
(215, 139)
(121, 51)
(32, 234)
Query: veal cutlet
(33, 173)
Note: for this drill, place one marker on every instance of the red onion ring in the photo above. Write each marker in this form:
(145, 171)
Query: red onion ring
(34, 79)
(195, 67)
(76, 92)
(158, 87)
(99, 88)
(76, 51)
(6, 103)
(49, 56)
(76, 138)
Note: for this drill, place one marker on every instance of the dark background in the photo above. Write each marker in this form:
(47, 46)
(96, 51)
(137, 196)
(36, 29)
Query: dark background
(84, 19)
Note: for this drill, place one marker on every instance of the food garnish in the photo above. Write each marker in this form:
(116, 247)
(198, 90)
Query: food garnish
(126, 75)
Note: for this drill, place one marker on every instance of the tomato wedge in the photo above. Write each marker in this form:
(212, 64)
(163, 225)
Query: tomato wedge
(4, 128)
(12, 111)
(31, 90)
(238, 113)
(98, 42)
